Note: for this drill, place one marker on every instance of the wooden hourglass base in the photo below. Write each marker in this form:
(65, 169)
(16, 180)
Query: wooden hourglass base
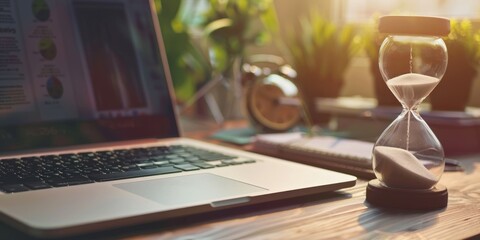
(429, 199)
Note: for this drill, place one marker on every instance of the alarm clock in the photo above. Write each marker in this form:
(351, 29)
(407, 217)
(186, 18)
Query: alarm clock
(272, 99)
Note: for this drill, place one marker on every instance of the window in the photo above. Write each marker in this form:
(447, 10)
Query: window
(363, 10)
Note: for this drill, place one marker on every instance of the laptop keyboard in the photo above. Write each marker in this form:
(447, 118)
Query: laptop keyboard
(32, 173)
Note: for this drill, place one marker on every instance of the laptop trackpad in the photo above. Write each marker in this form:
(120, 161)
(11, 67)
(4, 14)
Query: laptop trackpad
(197, 188)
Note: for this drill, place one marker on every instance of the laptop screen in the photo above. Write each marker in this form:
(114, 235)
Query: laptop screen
(80, 72)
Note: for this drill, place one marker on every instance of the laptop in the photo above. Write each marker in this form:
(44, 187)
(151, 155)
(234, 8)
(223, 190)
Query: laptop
(89, 138)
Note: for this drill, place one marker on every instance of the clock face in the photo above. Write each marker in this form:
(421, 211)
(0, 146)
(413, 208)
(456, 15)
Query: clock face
(266, 108)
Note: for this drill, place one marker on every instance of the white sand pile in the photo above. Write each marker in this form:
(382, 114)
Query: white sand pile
(401, 169)
(411, 88)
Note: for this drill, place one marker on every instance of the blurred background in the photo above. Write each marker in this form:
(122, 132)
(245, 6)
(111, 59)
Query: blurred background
(331, 44)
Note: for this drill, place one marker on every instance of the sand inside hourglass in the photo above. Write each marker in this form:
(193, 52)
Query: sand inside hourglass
(399, 168)
(412, 88)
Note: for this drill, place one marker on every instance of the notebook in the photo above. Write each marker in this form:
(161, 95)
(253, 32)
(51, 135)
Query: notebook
(340, 154)
(89, 138)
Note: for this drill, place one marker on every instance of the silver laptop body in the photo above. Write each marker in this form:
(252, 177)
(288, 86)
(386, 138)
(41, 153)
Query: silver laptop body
(90, 76)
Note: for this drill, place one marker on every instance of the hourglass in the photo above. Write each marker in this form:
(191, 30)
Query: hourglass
(408, 160)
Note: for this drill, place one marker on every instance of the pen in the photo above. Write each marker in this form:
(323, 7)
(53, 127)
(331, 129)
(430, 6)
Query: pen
(335, 142)
(451, 165)
(452, 162)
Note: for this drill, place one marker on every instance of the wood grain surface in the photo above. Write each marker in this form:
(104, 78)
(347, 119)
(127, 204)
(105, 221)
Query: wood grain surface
(339, 215)
(347, 216)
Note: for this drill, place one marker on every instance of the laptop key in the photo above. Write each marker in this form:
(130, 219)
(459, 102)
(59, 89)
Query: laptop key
(78, 181)
(192, 159)
(30, 179)
(177, 161)
(149, 167)
(230, 161)
(160, 163)
(13, 188)
(132, 174)
(130, 168)
(222, 165)
(166, 165)
(204, 165)
(141, 165)
(215, 157)
(61, 182)
(37, 185)
(187, 167)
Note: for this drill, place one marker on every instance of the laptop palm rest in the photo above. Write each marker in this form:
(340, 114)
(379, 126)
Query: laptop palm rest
(195, 188)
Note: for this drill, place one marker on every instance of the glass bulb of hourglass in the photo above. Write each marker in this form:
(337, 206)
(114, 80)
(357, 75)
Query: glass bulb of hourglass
(408, 155)
(412, 88)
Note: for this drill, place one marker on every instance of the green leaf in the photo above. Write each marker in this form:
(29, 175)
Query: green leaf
(463, 41)
(217, 24)
(233, 25)
(323, 50)
(187, 66)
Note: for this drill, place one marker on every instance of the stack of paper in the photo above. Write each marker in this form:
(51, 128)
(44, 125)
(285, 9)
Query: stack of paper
(346, 155)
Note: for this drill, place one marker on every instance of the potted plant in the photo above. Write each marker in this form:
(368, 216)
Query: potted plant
(188, 66)
(463, 46)
(321, 53)
(230, 27)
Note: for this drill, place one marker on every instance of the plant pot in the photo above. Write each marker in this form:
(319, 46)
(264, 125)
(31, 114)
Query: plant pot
(453, 91)
(312, 89)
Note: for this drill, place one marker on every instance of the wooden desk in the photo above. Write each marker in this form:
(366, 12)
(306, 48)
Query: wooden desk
(339, 215)
(347, 216)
